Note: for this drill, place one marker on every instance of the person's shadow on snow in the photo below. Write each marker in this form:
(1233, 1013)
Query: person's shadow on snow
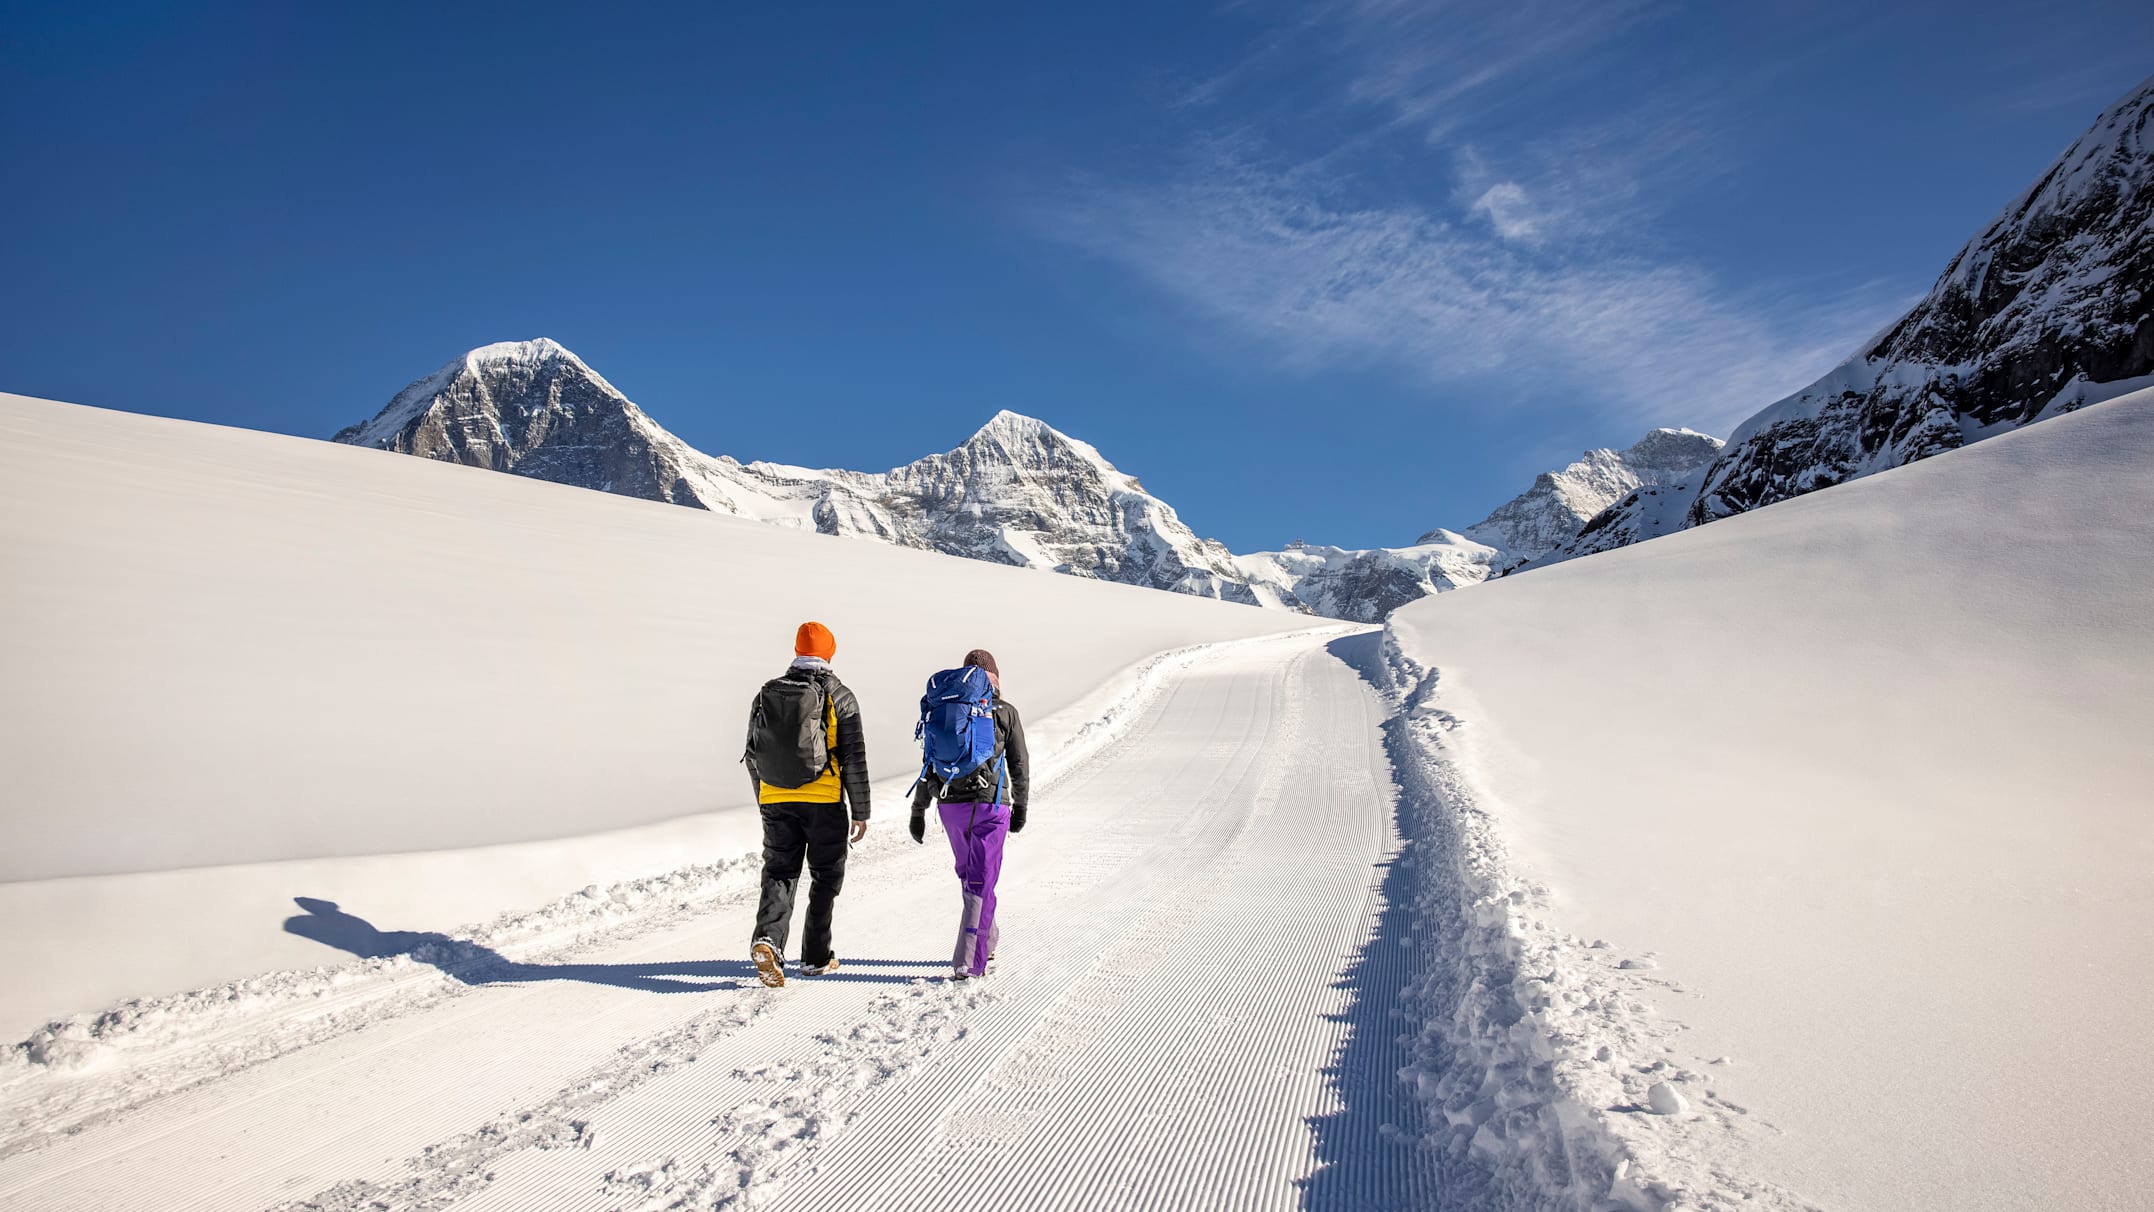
(466, 961)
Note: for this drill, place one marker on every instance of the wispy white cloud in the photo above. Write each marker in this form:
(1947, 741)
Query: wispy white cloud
(1535, 269)
(1281, 257)
(1508, 210)
(1440, 63)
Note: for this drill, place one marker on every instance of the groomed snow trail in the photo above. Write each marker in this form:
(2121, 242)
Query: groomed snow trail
(1191, 1009)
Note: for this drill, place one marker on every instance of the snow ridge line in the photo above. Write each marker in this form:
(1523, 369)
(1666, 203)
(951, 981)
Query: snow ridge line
(83, 1070)
(1535, 1056)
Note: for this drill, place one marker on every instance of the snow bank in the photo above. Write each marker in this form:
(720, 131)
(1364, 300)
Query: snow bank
(241, 667)
(1857, 786)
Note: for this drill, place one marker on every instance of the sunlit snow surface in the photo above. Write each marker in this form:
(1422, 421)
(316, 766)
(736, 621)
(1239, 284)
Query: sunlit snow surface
(241, 666)
(1861, 785)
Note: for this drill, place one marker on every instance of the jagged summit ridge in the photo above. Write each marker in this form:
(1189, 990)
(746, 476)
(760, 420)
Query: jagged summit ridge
(2047, 309)
(488, 363)
(1560, 502)
(2049, 298)
(1017, 491)
(535, 409)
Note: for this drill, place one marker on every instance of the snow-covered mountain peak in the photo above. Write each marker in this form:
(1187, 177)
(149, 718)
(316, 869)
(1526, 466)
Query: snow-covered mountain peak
(535, 350)
(1018, 434)
(1013, 447)
(1017, 491)
(1015, 424)
(1550, 512)
(1675, 449)
(2043, 312)
(479, 379)
(534, 408)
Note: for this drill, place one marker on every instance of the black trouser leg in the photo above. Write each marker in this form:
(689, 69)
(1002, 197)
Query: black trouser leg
(826, 829)
(785, 844)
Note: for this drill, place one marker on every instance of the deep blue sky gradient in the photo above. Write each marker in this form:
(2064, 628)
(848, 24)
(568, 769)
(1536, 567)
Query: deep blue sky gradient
(845, 235)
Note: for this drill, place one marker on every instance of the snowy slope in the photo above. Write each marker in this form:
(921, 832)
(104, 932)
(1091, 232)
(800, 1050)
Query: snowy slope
(1856, 791)
(2049, 308)
(280, 660)
(645, 1069)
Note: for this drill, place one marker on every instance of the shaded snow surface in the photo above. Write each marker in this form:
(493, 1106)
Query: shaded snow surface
(1814, 847)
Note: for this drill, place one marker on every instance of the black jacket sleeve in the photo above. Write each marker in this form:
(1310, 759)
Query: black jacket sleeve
(851, 745)
(1014, 752)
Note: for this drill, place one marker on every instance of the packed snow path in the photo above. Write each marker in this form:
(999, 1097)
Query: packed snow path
(1191, 1009)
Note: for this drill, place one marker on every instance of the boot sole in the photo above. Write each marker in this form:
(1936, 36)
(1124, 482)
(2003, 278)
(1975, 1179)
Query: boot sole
(769, 969)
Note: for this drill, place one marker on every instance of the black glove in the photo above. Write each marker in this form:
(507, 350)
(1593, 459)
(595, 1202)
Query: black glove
(918, 825)
(1017, 818)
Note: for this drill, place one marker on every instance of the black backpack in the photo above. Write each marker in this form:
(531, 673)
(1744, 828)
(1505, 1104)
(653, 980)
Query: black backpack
(788, 731)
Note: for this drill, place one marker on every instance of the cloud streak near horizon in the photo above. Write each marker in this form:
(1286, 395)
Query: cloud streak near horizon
(1319, 282)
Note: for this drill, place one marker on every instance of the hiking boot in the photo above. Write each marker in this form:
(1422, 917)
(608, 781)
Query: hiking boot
(769, 965)
(822, 969)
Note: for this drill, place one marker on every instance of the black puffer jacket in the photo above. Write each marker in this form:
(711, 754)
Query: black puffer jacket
(849, 746)
(979, 786)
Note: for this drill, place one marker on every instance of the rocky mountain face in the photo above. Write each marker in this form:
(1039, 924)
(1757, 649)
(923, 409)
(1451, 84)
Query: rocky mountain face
(1367, 585)
(534, 408)
(1017, 492)
(1364, 586)
(2044, 311)
(1551, 512)
(1021, 492)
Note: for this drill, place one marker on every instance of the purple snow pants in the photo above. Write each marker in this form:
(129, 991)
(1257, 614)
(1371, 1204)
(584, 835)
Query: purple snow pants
(976, 832)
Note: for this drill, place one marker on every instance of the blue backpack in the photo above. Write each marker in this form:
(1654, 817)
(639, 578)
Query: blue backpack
(957, 726)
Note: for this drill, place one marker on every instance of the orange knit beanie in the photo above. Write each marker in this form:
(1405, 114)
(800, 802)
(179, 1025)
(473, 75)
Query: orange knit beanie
(815, 640)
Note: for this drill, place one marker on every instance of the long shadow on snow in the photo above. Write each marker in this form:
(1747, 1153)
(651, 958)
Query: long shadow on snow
(1368, 1151)
(472, 964)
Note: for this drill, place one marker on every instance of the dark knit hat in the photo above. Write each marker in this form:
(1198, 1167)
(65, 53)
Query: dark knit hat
(983, 659)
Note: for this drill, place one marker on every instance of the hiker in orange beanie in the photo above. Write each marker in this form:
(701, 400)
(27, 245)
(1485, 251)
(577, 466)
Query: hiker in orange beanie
(814, 640)
(808, 762)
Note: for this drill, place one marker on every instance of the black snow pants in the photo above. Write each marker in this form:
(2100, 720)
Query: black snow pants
(791, 833)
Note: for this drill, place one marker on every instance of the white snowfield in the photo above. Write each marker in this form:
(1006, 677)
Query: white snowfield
(1830, 828)
(1803, 859)
(1180, 1017)
(241, 667)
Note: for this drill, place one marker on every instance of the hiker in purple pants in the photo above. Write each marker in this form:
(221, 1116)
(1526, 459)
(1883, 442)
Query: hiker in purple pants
(979, 810)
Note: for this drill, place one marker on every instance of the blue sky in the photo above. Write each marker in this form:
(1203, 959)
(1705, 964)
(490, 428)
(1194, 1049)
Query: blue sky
(1339, 272)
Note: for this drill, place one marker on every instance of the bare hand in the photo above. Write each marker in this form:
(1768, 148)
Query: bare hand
(860, 830)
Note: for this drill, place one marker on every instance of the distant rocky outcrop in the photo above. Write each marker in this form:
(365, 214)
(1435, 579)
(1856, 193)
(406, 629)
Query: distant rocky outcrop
(1016, 492)
(2046, 310)
(1551, 512)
